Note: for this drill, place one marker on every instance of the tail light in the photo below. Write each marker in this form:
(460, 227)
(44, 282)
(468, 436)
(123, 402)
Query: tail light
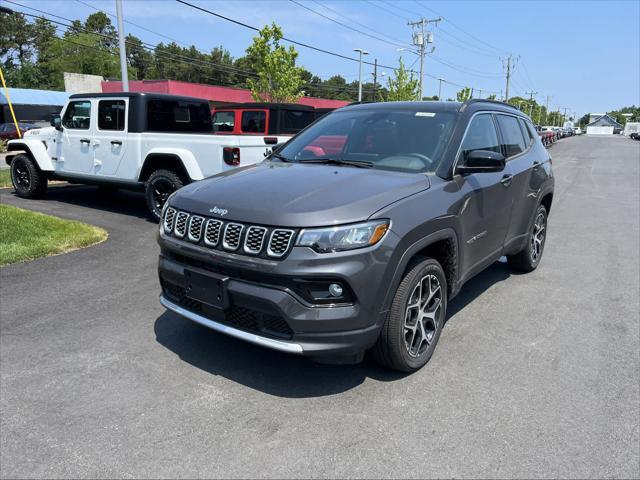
(231, 156)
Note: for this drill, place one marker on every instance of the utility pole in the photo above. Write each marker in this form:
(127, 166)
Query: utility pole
(508, 68)
(420, 41)
(480, 94)
(123, 51)
(546, 108)
(362, 52)
(440, 80)
(375, 80)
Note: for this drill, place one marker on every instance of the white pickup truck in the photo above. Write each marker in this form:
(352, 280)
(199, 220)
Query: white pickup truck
(152, 142)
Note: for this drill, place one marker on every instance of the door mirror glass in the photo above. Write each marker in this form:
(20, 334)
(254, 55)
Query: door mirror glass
(479, 161)
(56, 122)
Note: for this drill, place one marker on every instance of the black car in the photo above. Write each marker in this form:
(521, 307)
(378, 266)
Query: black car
(357, 232)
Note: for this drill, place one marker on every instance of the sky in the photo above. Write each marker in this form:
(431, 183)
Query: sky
(583, 55)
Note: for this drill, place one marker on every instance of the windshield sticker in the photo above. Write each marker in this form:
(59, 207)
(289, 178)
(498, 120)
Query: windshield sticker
(425, 114)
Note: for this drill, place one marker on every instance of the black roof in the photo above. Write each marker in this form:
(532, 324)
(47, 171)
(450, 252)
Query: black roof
(163, 96)
(411, 106)
(290, 106)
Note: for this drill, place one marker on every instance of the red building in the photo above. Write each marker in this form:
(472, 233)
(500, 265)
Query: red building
(215, 94)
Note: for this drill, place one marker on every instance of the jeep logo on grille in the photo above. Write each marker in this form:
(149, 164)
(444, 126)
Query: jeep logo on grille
(218, 211)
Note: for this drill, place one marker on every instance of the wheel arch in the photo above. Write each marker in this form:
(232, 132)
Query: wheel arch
(35, 150)
(180, 161)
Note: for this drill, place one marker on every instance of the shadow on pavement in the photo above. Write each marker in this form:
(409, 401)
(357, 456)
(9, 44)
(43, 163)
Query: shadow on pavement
(281, 374)
(125, 202)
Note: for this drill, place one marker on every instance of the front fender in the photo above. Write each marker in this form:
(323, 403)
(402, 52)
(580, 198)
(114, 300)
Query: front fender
(35, 149)
(185, 156)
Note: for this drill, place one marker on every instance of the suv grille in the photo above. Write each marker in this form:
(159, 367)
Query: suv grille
(232, 233)
(181, 224)
(230, 236)
(195, 228)
(279, 242)
(254, 240)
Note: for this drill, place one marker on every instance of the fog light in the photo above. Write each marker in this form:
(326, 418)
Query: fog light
(335, 289)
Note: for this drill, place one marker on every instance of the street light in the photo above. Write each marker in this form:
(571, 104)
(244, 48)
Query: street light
(362, 52)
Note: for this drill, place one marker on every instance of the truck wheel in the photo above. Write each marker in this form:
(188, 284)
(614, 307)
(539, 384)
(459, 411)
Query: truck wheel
(528, 258)
(418, 311)
(27, 179)
(160, 185)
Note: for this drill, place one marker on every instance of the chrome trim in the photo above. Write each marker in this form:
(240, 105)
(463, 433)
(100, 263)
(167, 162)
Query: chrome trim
(246, 237)
(270, 252)
(233, 332)
(192, 238)
(220, 232)
(224, 236)
(175, 224)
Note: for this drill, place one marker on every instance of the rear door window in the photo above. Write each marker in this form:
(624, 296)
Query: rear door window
(178, 116)
(77, 116)
(111, 114)
(224, 121)
(512, 139)
(293, 120)
(481, 135)
(254, 121)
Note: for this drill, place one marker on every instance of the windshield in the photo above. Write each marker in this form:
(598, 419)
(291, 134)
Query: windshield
(400, 140)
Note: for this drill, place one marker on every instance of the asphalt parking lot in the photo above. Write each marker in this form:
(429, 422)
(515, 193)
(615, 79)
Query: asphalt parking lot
(535, 375)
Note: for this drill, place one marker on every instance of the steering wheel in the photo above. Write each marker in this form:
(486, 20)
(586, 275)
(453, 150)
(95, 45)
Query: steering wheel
(423, 158)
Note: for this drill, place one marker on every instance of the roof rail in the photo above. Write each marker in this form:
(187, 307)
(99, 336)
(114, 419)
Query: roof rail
(486, 100)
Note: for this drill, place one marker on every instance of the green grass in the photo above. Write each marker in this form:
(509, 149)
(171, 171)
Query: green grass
(5, 178)
(26, 235)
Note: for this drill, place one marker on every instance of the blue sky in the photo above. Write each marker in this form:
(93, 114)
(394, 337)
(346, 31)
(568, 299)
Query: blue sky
(585, 55)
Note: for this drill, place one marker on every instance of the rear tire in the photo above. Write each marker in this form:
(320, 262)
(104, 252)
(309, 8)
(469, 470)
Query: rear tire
(157, 189)
(528, 259)
(418, 311)
(27, 179)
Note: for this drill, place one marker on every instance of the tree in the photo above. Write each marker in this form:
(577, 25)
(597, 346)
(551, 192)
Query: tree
(464, 94)
(402, 86)
(279, 79)
(491, 97)
(139, 59)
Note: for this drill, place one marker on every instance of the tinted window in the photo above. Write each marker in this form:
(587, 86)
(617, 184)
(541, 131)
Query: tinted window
(401, 140)
(111, 114)
(512, 138)
(78, 115)
(527, 131)
(254, 122)
(293, 121)
(224, 121)
(481, 135)
(178, 116)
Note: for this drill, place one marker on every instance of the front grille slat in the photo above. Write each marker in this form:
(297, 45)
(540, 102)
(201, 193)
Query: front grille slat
(254, 240)
(195, 228)
(232, 235)
(180, 228)
(279, 242)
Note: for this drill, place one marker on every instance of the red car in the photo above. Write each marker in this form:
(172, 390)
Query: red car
(8, 130)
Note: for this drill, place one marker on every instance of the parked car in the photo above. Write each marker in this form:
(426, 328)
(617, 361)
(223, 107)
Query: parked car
(152, 142)
(331, 253)
(547, 136)
(577, 131)
(9, 131)
(635, 135)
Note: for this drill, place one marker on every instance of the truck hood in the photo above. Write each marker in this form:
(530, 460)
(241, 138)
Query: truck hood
(296, 195)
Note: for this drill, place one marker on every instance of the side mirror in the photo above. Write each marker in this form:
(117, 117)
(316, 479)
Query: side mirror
(56, 122)
(482, 161)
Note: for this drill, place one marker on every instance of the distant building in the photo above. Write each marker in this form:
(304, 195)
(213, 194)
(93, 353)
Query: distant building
(603, 125)
(216, 95)
(82, 83)
(30, 105)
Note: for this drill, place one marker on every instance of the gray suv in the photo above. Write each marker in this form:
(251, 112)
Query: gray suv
(356, 233)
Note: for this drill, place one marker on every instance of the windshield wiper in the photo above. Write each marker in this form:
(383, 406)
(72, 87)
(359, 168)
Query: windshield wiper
(279, 157)
(337, 161)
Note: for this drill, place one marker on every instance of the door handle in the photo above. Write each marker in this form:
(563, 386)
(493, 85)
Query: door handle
(506, 180)
(116, 142)
(85, 140)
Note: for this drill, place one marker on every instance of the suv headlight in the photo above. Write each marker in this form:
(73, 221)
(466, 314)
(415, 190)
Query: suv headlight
(343, 237)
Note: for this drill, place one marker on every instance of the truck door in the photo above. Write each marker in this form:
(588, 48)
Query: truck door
(110, 137)
(75, 143)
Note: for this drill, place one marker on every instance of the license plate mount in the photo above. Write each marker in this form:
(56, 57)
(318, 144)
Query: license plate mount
(209, 288)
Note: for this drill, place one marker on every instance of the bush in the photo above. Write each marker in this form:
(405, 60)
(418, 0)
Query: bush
(3, 146)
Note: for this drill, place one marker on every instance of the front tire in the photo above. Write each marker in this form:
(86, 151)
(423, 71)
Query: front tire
(418, 311)
(27, 179)
(157, 189)
(528, 259)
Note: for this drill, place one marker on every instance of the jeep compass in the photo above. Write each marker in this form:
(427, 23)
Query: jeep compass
(355, 234)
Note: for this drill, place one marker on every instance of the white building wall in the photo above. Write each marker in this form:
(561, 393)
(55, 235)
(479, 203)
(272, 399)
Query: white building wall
(82, 83)
(600, 130)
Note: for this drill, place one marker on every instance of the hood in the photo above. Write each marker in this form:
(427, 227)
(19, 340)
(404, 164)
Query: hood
(296, 195)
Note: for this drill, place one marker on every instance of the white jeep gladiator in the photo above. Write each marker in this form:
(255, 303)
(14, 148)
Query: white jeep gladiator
(151, 142)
